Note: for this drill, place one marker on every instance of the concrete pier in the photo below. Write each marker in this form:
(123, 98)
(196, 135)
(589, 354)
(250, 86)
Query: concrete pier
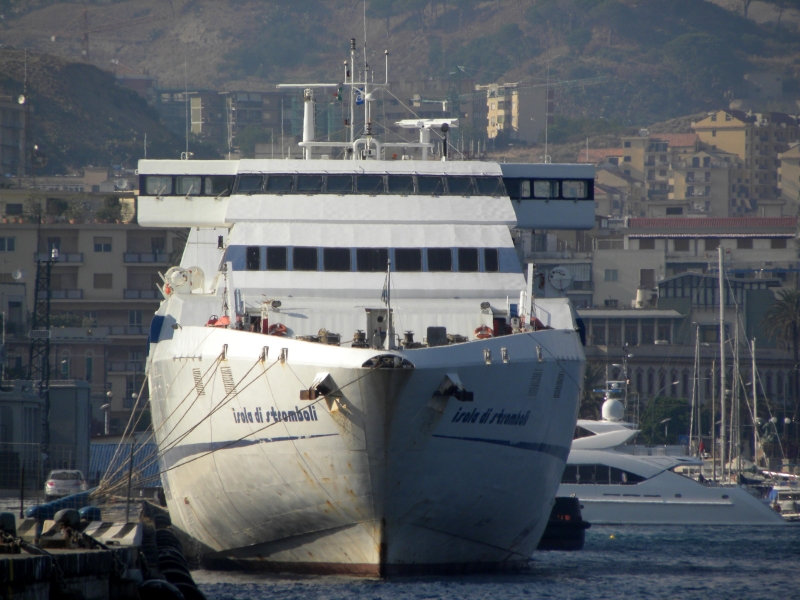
(89, 574)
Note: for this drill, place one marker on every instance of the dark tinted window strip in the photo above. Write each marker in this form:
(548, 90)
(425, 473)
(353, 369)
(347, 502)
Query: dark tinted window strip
(373, 260)
(309, 184)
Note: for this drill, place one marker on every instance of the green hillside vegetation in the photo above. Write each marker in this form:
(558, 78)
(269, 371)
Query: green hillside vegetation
(80, 116)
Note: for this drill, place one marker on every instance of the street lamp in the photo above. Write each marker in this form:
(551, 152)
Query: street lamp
(665, 423)
(105, 408)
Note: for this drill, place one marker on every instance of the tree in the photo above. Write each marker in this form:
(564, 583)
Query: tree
(249, 137)
(782, 323)
(591, 401)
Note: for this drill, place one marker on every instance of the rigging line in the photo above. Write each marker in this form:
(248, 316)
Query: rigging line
(225, 400)
(403, 104)
(152, 433)
(557, 360)
(317, 401)
(125, 431)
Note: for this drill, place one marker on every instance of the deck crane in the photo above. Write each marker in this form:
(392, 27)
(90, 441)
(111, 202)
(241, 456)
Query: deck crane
(86, 30)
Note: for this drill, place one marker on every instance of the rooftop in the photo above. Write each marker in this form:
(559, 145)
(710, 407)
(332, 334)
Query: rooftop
(721, 226)
(676, 139)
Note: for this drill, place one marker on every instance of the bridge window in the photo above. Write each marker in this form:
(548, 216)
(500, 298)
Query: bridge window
(340, 184)
(280, 184)
(490, 186)
(304, 258)
(249, 184)
(468, 260)
(440, 259)
(188, 186)
(218, 186)
(309, 184)
(371, 260)
(253, 258)
(402, 185)
(430, 186)
(544, 188)
(491, 264)
(408, 259)
(574, 189)
(158, 186)
(369, 184)
(460, 186)
(336, 259)
(277, 258)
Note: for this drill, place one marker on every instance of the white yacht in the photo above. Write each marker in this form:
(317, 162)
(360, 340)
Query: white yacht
(621, 484)
(348, 372)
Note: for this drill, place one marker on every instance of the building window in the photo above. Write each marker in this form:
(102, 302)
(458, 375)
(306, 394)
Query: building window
(631, 333)
(713, 133)
(102, 281)
(648, 331)
(744, 243)
(682, 245)
(64, 366)
(714, 117)
(711, 244)
(627, 144)
(8, 244)
(102, 244)
(626, 159)
(727, 117)
(89, 369)
(647, 278)
(610, 275)
(599, 332)
(614, 332)
(778, 243)
(13, 210)
(647, 244)
(674, 210)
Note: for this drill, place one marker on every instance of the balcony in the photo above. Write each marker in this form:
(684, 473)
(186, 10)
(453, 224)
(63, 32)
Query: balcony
(129, 366)
(140, 294)
(146, 257)
(63, 257)
(127, 330)
(63, 295)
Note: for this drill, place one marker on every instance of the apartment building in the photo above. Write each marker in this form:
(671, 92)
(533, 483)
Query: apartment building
(653, 250)
(648, 158)
(701, 184)
(517, 112)
(632, 192)
(102, 293)
(13, 153)
(789, 177)
(757, 139)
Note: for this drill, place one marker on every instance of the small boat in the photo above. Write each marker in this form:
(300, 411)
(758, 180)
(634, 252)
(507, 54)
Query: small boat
(785, 500)
(566, 529)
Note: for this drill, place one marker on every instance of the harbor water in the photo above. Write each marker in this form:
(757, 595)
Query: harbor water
(628, 562)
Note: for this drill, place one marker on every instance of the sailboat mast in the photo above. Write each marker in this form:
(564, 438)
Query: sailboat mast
(722, 386)
(714, 418)
(755, 403)
(694, 387)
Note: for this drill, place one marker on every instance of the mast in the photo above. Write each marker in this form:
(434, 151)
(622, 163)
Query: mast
(352, 91)
(694, 388)
(722, 435)
(714, 419)
(736, 428)
(755, 403)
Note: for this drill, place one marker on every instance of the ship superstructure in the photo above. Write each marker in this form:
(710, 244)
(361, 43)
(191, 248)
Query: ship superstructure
(348, 372)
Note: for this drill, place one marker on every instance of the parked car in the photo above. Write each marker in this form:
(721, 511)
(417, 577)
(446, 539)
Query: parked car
(64, 483)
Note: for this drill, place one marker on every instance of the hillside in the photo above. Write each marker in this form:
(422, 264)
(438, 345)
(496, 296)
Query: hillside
(80, 116)
(663, 58)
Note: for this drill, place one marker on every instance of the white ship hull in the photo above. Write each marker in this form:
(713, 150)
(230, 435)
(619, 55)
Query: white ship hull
(383, 476)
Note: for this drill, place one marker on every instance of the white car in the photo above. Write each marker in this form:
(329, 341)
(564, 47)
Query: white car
(64, 483)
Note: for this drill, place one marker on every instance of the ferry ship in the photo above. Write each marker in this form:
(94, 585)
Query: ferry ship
(349, 372)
